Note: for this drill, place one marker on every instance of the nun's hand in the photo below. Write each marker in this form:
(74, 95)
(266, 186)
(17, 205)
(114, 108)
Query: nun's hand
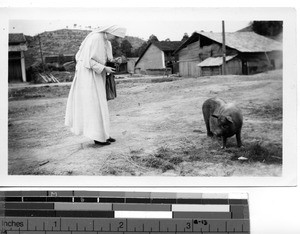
(110, 70)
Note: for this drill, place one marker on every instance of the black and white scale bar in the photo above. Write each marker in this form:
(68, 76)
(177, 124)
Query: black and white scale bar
(125, 225)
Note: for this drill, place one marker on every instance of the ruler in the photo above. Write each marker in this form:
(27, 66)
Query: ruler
(93, 212)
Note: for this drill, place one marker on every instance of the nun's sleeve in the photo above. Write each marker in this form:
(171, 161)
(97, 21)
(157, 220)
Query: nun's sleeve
(97, 51)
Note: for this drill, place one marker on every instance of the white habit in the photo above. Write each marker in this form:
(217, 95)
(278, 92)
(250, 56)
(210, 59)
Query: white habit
(87, 109)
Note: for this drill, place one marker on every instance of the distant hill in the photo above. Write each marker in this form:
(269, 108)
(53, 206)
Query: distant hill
(62, 41)
(136, 42)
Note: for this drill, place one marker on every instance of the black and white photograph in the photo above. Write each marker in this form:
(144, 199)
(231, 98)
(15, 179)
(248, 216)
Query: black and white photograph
(150, 92)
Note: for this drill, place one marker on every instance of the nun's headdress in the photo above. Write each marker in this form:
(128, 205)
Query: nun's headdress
(113, 29)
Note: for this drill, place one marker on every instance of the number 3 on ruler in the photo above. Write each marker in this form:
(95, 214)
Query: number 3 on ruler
(188, 226)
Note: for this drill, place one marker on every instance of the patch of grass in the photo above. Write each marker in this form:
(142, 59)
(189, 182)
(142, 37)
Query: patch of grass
(136, 151)
(272, 111)
(162, 80)
(153, 162)
(167, 166)
(194, 157)
(157, 163)
(120, 165)
(163, 159)
(257, 152)
(117, 170)
(176, 160)
(38, 92)
(69, 173)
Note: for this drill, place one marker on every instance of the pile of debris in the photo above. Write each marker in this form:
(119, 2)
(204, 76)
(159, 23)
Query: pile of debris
(48, 78)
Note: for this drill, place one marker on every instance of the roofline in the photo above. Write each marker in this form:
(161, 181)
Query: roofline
(199, 33)
(185, 43)
(143, 53)
(151, 43)
(157, 45)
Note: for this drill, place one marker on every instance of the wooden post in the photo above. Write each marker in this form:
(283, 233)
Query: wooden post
(41, 53)
(223, 49)
(269, 62)
(23, 67)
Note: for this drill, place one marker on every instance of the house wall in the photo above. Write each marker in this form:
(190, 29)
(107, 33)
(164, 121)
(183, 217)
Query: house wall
(131, 65)
(276, 59)
(192, 55)
(211, 71)
(214, 50)
(233, 67)
(152, 59)
(259, 62)
(188, 60)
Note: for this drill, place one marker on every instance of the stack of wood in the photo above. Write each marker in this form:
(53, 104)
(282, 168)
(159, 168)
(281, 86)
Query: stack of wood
(48, 78)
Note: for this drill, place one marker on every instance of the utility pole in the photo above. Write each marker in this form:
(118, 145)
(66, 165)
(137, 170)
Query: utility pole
(223, 49)
(41, 53)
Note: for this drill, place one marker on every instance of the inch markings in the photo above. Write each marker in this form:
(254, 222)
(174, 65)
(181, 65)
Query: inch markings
(92, 212)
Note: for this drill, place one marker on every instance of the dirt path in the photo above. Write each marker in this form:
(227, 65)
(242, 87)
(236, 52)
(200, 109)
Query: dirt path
(159, 130)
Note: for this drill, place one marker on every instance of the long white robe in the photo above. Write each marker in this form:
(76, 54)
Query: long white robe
(87, 109)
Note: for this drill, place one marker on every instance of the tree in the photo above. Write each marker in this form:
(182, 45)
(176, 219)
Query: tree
(152, 38)
(185, 37)
(116, 48)
(126, 48)
(267, 28)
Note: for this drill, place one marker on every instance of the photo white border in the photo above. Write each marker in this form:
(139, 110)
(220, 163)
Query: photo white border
(288, 178)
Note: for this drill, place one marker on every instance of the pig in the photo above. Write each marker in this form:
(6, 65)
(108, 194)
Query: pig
(222, 119)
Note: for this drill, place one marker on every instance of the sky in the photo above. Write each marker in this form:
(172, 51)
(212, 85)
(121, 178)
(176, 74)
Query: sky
(164, 23)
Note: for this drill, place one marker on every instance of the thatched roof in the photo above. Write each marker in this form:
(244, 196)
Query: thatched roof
(16, 38)
(241, 41)
(214, 61)
(16, 42)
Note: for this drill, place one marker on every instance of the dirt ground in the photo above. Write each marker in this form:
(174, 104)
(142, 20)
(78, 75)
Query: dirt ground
(159, 128)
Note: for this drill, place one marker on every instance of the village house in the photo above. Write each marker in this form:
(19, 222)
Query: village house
(157, 57)
(131, 64)
(16, 60)
(246, 53)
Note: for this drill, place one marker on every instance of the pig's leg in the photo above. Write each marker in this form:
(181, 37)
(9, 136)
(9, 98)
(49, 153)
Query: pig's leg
(238, 139)
(206, 116)
(224, 142)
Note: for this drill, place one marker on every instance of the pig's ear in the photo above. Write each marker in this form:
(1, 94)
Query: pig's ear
(215, 116)
(229, 119)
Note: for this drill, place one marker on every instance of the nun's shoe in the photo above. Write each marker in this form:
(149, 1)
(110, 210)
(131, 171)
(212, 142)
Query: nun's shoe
(111, 140)
(102, 143)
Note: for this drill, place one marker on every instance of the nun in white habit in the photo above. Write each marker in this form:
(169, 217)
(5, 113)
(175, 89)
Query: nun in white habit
(87, 110)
